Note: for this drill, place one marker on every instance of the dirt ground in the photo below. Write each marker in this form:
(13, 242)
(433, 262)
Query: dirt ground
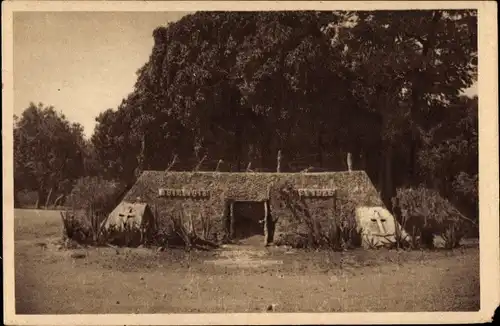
(236, 278)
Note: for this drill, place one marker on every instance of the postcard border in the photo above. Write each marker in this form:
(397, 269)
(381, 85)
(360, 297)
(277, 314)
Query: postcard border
(488, 163)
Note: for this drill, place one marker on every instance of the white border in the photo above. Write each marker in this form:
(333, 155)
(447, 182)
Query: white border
(488, 164)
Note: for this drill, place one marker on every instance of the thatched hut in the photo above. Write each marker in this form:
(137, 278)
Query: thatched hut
(237, 205)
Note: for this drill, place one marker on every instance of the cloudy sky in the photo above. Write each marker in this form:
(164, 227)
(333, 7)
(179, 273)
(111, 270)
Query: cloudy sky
(82, 63)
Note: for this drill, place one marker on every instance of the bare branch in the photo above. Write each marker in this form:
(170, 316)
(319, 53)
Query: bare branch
(174, 160)
(197, 167)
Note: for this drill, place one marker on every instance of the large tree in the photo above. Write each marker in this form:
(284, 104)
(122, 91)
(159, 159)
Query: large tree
(408, 66)
(242, 85)
(448, 160)
(235, 86)
(48, 151)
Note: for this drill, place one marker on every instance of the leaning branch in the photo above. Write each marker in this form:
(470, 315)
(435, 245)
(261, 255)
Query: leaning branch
(174, 160)
(197, 167)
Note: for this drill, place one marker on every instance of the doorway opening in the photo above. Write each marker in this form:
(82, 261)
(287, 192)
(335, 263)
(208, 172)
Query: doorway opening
(250, 222)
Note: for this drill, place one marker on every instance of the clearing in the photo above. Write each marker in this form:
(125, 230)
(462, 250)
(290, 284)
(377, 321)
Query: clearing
(242, 278)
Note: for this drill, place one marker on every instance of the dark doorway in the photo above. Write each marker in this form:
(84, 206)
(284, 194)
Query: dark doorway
(248, 220)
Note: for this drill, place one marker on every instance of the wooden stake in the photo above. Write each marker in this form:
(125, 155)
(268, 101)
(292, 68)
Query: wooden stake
(266, 232)
(231, 218)
(278, 163)
(218, 165)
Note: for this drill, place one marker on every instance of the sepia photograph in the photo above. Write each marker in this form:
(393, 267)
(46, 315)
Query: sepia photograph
(267, 159)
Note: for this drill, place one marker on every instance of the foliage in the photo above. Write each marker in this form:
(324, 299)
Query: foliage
(75, 229)
(427, 214)
(95, 193)
(48, 152)
(81, 230)
(241, 85)
(93, 198)
(449, 159)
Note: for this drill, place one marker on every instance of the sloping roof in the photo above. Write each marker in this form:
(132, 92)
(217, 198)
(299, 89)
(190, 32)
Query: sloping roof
(252, 185)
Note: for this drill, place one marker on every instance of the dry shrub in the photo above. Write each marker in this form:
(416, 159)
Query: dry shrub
(208, 220)
(90, 201)
(425, 214)
(345, 214)
(75, 229)
(179, 231)
(337, 232)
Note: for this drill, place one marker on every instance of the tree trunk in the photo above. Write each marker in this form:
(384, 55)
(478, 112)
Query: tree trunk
(238, 144)
(389, 190)
(412, 157)
(418, 90)
(266, 152)
(141, 159)
(380, 173)
(42, 196)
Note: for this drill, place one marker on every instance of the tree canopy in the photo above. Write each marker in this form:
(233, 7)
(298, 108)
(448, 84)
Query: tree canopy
(49, 151)
(241, 86)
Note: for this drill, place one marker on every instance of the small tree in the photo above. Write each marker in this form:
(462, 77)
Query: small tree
(95, 198)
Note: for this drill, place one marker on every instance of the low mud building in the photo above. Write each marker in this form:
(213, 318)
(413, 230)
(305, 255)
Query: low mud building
(240, 205)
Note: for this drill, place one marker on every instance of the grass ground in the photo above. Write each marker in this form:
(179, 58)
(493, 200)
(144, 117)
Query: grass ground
(233, 279)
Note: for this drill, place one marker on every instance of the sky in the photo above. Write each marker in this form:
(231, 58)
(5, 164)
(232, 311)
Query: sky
(83, 63)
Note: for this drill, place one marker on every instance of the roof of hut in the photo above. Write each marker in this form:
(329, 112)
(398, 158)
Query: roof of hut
(253, 186)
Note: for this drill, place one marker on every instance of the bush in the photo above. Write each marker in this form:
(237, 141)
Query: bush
(90, 201)
(95, 193)
(75, 229)
(424, 214)
(345, 217)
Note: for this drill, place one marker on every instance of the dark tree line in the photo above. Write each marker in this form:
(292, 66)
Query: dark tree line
(50, 153)
(241, 86)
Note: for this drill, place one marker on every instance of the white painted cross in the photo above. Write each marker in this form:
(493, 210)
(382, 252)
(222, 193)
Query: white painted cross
(379, 220)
